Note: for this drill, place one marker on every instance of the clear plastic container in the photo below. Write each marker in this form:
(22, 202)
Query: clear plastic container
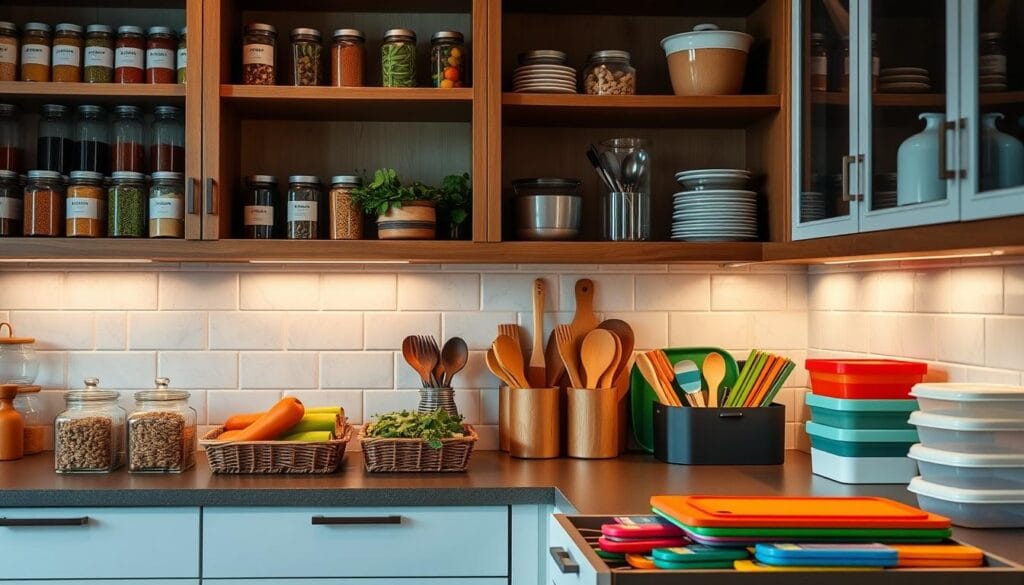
(161, 431)
(971, 508)
(862, 470)
(970, 470)
(971, 400)
(88, 437)
(861, 414)
(18, 364)
(875, 379)
(861, 443)
(990, 436)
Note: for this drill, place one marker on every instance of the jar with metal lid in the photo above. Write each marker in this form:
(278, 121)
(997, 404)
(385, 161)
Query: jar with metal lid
(167, 205)
(35, 52)
(258, 63)
(398, 58)
(302, 220)
(8, 51)
(11, 197)
(18, 363)
(182, 58)
(609, 73)
(307, 57)
(348, 58)
(129, 55)
(27, 403)
(86, 206)
(161, 46)
(43, 204)
(161, 431)
(448, 59)
(67, 53)
(818, 63)
(126, 205)
(98, 63)
(55, 145)
(259, 207)
(167, 140)
(875, 63)
(88, 437)
(10, 138)
(128, 150)
(992, 60)
(92, 140)
(346, 215)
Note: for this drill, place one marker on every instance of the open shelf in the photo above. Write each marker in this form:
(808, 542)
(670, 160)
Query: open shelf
(1001, 98)
(25, 92)
(636, 7)
(350, 103)
(882, 100)
(439, 6)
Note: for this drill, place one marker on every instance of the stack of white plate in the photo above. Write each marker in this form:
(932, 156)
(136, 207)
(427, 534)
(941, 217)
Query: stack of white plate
(715, 207)
(904, 80)
(544, 71)
(812, 206)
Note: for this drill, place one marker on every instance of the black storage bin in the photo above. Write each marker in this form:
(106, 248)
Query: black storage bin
(720, 436)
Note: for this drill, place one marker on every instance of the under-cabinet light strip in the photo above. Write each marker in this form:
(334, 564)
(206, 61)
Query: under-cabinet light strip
(329, 262)
(908, 258)
(75, 260)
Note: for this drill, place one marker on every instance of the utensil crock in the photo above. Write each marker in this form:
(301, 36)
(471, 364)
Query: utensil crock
(593, 423)
(534, 429)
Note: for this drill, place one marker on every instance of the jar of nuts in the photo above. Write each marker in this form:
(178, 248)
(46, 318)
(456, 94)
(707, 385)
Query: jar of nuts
(161, 431)
(88, 437)
(609, 73)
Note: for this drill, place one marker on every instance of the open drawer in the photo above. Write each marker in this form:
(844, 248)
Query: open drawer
(571, 561)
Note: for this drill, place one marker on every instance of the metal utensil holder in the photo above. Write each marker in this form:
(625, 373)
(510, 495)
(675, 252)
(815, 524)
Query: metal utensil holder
(432, 399)
(627, 216)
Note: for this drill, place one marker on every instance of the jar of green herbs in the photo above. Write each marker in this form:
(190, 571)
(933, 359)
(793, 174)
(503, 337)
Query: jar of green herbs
(398, 58)
(126, 205)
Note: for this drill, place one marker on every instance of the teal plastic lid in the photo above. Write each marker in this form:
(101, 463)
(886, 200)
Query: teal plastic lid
(861, 435)
(851, 405)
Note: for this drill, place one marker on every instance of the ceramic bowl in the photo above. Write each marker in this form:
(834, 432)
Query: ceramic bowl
(707, 61)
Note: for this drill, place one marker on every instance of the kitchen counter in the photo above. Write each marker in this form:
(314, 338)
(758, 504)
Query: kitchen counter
(613, 486)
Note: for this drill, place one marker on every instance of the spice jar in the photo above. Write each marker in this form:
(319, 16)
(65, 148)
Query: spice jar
(398, 58)
(161, 431)
(609, 73)
(27, 403)
(8, 51)
(818, 63)
(167, 141)
(346, 215)
(302, 221)
(55, 144)
(182, 59)
(67, 53)
(126, 205)
(167, 205)
(35, 52)
(129, 55)
(259, 207)
(18, 364)
(258, 65)
(11, 196)
(307, 57)
(43, 204)
(92, 140)
(128, 150)
(86, 206)
(10, 138)
(447, 59)
(161, 46)
(88, 437)
(12, 425)
(99, 54)
(348, 56)
(875, 63)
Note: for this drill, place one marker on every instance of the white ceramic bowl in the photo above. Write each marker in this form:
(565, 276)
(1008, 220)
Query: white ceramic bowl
(986, 436)
(969, 471)
(707, 61)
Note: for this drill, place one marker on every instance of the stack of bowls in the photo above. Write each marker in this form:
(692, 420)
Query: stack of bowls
(714, 206)
(544, 71)
(971, 453)
(548, 208)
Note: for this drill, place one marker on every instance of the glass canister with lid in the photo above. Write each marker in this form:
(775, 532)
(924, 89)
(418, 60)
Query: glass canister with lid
(398, 58)
(35, 52)
(161, 431)
(11, 151)
(258, 63)
(259, 208)
(92, 140)
(167, 206)
(11, 196)
(182, 59)
(609, 73)
(86, 211)
(126, 205)
(448, 59)
(129, 144)
(167, 140)
(8, 51)
(43, 204)
(18, 363)
(346, 215)
(348, 56)
(98, 63)
(307, 57)
(161, 47)
(303, 219)
(67, 53)
(27, 403)
(130, 55)
(88, 437)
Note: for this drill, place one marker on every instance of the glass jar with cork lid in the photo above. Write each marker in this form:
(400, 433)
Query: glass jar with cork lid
(161, 431)
(88, 437)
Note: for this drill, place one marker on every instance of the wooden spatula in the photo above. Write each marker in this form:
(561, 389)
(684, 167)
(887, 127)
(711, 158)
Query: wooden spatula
(648, 371)
(510, 357)
(606, 378)
(597, 354)
(584, 321)
(536, 373)
(498, 371)
(569, 352)
(513, 331)
(624, 332)
(714, 373)
(553, 361)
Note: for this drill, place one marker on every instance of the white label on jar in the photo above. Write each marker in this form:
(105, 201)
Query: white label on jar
(35, 55)
(8, 53)
(159, 59)
(85, 208)
(128, 57)
(258, 54)
(10, 208)
(165, 208)
(259, 215)
(182, 58)
(67, 55)
(992, 65)
(819, 65)
(302, 211)
(99, 57)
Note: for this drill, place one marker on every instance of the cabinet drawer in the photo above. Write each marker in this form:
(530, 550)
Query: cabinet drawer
(566, 562)
(355, 542)
(357, 581)
(100, 543)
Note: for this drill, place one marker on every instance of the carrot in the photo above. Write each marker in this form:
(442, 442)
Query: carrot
(238, 422)
(227, 436)
(272, 424)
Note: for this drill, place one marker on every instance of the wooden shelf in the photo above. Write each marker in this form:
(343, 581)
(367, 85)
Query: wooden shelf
(29, 94)
(882, 100)
(1001, 98)
(422, 104)
(392, 6)
(658, 111)
(636, 7)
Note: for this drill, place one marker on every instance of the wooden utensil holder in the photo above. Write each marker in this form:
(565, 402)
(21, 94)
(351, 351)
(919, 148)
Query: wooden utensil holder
(593, 423)
(504, 417)
(534, 429)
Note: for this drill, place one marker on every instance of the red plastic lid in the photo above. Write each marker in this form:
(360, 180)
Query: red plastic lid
(868, 366)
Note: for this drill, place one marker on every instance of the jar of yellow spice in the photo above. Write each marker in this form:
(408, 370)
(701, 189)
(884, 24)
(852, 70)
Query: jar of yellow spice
(86, 205)
(8, 51)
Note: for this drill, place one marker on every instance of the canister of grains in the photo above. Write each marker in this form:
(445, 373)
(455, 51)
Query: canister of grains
(346, 221)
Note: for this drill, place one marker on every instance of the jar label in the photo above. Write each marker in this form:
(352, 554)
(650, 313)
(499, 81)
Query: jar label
(182, 58)
(35, 55)
(259, 215)
(258, 54)
(8, 53)
(302, 211)
(99, 57)
(819, 65)
(128, 57)
(10, 208)
(165, 208)
(992, 65)
(67, 55)
(85, 208)
(159, 59)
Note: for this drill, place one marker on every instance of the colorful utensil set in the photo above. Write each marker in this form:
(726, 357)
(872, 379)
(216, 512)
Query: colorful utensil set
(760, 380)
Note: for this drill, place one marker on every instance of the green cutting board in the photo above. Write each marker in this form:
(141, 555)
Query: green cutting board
(642, 396)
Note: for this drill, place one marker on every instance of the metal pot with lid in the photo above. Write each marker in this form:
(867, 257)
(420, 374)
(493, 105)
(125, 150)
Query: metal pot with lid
(549, 208)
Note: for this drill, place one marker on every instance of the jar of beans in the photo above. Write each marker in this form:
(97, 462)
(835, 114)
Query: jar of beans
(128, 148)
(307, 57)
(88, 437)
(86, 208)
(348, 56)
(346, 221)
(609, 73)
(447, 59)
(161, 431)
(129, 55)
(258, 63)
(44, 204)
(8, 51)
(11, 197)
(99, 54)
(161, 46)
(67, 53)
(35, 52)
(167, 205)
(304, 194)
(167, 141)
(182, 58)
(398, 58)
(10, 138)
(259, 207)
(126, 205)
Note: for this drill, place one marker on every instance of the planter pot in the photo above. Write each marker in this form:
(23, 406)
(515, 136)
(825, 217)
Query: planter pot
(415, 220)
(917, 165)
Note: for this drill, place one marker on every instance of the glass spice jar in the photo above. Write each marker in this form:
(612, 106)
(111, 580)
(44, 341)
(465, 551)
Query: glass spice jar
(67, 53)
(161, 46)
(818, 63)
(258, 46)
(11, 196)
(259, 207)
(86, 206)
(161, 431)
(346, 215)
(92, 140)
(55, 142)
(99, 54)
(10, 138)
(126, 205)
(167, 140)
(167, 205)
(307, 57)
(128, 148)
(609, 73)
(129, 55)
(35, 52)
(88, 437)
(302, 221)
(447, 59)
(27, 403)
(43, 204)
(348, 58)
(398, 58)
(8, 51)
(182, 59)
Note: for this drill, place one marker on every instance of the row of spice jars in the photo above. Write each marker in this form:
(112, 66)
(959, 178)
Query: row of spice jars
(91, 206)
(89, 436)
(95, 54)
(308, 63)
(305, 213)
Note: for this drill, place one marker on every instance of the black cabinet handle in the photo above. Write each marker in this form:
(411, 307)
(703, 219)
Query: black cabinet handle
(565, 563)
(730, 414)
(354, 520)
(12, 522)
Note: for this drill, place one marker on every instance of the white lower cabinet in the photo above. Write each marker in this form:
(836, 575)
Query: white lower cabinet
(427, 581)
(103, 582)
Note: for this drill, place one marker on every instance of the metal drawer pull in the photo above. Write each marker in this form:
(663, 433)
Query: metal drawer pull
(354, 520)
(565, 563)
(12, 522)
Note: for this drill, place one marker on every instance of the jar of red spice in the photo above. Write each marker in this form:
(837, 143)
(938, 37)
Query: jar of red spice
(167, 141)
(11, 195)
(348, 54)
(161, 45)
(128, 151)
(44, 204)
(10, 138)
(129, 55)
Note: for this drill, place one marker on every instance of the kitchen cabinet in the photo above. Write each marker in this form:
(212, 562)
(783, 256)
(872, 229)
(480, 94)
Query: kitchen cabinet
(468, 581)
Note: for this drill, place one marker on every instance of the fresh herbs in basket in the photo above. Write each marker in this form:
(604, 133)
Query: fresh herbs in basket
(412, 425)
(416, 442)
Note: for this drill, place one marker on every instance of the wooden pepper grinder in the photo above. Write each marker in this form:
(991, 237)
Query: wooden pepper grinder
(12, 425)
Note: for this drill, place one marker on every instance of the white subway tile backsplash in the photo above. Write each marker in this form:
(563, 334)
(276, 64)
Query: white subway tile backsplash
(439, 292)
(888, 292)
(167, 331)
(748, 292)
(991, 376)
(514, 292)
(835, 291)
(883, 334)
(117, 370)
(324, 330)
(55, 329)
(650, 329)
(960, 339)
(467, 401)
(31, 290)
(359, 292)
(551, 320)
(612, 292)
(476, 328)
(377, 402)
(780, 330)
(53, 370)
(476, 374)
(977, 290)
(283, 370)
(357, 370)
(387, 330)
(199, 369)
(1004, 338)
(726, 330)
(195, 291)
(1013, 289)
(797, 292)
(917, 336)
(220, 404)
(350, 400)
(245, 330)
(111, 330)
(117, 291)
(489, 406)
(932, 291)
(279, 291)
(673, 292)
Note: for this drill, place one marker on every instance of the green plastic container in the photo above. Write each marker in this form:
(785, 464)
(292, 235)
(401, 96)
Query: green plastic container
(845, 413)
(861, 443)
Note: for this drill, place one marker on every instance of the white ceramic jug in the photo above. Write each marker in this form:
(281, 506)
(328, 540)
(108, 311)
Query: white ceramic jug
(917, 164)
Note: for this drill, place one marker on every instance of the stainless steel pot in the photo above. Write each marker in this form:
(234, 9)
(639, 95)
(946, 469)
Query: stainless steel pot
(549, 217)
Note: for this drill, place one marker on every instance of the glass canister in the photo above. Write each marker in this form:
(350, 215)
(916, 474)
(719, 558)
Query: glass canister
(167, 141)
(161, 431)
(167, 206)
(609, 73)
(92, 140)
(88, 437)
(161, 46)
(258, 64)
(307, 57)
(126, 205)
(627, 211)
(129, 143)
(398, 58)
(448, 59)
(818, 63)
(8, 51)
(86, 206)
(27, 403)
(346, 215)
(348, 58)
(182, 58)
(259, 207)
(18, 363)
(55, 145)
(302, 220)
(11, 197)
(67, 53)
(98, 63)
(43, 204)
(130, 55)
(10, 138)
(35, 52)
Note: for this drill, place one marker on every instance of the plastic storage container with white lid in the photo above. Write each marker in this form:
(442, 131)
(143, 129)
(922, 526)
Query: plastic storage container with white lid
(971, 508)
(970, 470)
(862, 470)
(971, 400)
(970, 435)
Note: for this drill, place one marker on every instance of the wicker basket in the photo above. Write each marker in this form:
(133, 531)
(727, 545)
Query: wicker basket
(383, 455)
(277, 456)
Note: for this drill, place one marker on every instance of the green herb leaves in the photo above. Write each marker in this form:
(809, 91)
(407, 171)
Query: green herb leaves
(412, 425)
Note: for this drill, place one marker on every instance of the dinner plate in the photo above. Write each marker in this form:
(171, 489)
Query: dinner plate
(716, 192)
(903, 71)
(544, 90)
(543, 74)
(713, 172)
(544, 82)
(545, 69)
(904, 87)
(885, 79)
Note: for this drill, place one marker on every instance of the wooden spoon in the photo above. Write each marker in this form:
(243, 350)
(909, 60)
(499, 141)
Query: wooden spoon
(569, 351)
(512, 330)
(714, 373)
(411, 353)
(553, 361)
(624, 332)
(454, 356)
(498, 371)
(609, 375)
(648, 371)
(597, 354)
(536, 372)
(510, 357)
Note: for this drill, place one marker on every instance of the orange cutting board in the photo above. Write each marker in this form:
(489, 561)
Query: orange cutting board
(794, 512)
(938, 555)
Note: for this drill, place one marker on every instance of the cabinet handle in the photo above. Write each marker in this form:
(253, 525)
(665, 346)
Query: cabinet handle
(190, 196)
(565, 563)
(847, 161)
(354, 520)
(944, 172)
(212, 205)
(14, 522)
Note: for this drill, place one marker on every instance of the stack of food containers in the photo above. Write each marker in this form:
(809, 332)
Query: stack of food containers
(971, 453)
(859, 409)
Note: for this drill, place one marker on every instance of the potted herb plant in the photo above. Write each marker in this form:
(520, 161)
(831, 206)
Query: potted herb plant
(455, 201)
(404, 212)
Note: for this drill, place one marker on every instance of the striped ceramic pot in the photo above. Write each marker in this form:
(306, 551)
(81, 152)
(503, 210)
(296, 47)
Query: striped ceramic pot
(415, 220)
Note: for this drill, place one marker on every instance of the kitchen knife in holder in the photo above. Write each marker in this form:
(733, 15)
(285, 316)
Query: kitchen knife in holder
(593, 425)
(534, 423)
(720, 436)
